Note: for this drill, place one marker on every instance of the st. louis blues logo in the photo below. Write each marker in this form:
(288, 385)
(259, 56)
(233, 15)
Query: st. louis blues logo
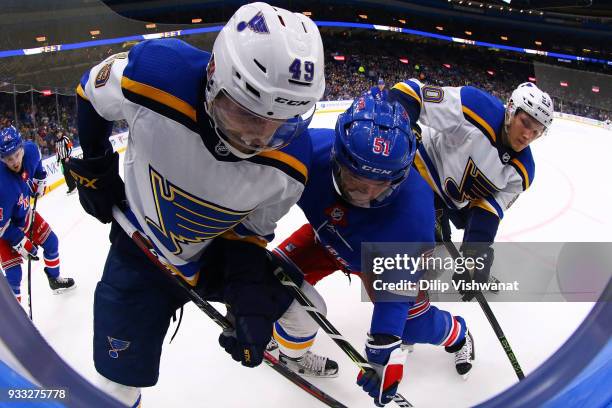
(474, 184)
(183, 218)
(257, 24)
(117, 346)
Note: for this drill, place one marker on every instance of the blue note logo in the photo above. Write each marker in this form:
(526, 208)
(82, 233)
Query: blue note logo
(257, 24)
(183, 218)
(474, 184)
(117, 346)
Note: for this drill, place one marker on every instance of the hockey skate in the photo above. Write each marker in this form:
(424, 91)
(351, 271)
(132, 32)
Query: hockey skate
(311, 365)
(464, 355)
(60, 284)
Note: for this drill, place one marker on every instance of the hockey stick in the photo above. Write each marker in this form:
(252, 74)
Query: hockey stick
(145, 245)
(482, 301)
(333, 333)
(31, 234)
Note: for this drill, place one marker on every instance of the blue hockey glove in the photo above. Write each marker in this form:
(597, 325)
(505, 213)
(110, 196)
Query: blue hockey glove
(387, 357)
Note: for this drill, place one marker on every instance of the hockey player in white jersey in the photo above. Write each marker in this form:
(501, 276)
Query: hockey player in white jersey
(216, 155)
(475, 156)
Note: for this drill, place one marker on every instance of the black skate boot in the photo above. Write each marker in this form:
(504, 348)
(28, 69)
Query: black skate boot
(60, 284)
(464, 355)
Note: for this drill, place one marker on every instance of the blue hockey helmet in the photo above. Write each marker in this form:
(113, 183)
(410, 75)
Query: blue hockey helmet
(10, 141)
(374, 141)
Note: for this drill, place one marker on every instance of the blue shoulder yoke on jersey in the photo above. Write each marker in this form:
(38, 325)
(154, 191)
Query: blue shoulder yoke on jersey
(484, 111)
(524, 165)
(167, 76)
(408, 94)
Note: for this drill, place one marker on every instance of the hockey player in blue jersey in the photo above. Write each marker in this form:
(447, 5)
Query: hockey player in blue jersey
(216, 155)
(361, 190)
(475, 156)
(379, 92)
(22, 176)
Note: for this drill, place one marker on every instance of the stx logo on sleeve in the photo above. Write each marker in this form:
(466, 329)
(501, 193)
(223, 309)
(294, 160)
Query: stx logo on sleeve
(84, 181)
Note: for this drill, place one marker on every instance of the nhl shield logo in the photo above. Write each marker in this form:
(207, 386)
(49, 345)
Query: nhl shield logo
(257, 24)
(221, 149)
(506, 157)
(117, 346)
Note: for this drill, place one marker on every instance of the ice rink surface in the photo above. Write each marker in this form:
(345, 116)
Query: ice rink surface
(568, 201)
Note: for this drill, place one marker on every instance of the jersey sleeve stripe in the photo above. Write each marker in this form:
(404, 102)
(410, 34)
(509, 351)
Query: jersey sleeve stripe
(160, 96)
(522, 171)
(81, 92)
(285, 162)
(480, 123)
(405, 88)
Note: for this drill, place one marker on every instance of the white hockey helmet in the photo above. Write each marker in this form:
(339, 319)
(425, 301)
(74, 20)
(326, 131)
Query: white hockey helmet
(269, 62)
(530, 99)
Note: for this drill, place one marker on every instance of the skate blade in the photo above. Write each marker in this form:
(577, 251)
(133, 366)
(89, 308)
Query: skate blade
(320, 376)
(63, 290)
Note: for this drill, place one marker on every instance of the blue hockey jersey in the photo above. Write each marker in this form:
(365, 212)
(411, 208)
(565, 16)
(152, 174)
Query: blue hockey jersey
(16, 192)
(341, 227)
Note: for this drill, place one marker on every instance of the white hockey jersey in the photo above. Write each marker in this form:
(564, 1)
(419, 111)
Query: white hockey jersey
(462, 156)
(183, 186)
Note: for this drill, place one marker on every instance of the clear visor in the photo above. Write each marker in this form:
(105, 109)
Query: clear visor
(13, 160)
(361, 191)
(250, 132)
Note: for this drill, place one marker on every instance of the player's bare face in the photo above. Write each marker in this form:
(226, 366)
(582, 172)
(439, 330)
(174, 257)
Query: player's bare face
(361, 191)
(244, 130)
(523, 130)
(14, 160)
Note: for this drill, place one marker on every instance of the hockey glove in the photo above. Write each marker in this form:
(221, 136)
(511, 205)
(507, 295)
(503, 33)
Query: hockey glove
(481, 255)
(38, 187)
(387, 357)
(247, 342)
(99, 184)
(26, 249)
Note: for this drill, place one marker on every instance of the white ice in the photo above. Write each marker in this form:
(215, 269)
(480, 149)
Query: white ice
(567, 202)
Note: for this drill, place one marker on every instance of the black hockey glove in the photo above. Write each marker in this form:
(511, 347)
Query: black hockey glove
(99, 184)
(247, 342)
(255, 301)
(479, 258)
